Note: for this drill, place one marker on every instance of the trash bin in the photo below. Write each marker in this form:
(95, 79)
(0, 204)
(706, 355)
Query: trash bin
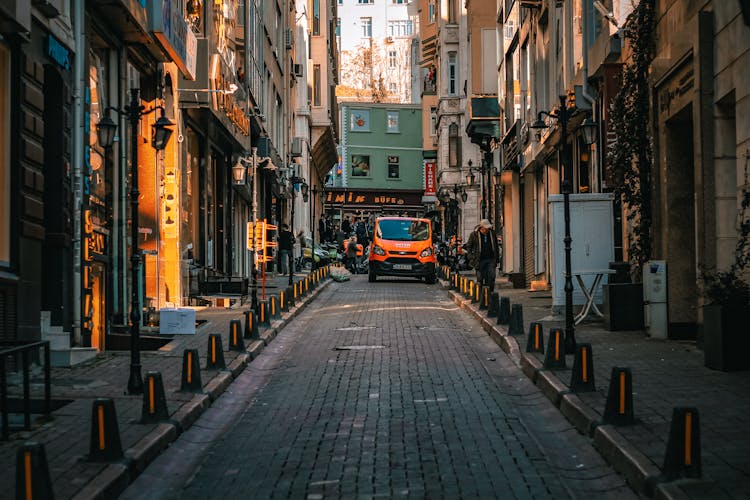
(623, 300)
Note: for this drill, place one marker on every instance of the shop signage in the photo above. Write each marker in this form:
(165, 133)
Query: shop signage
(429, 178)
(95, 241)
(225, 101)
(364, 198)
(57, 52)
(167, 23)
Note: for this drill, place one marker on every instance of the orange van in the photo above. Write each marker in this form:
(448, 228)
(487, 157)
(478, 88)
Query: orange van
(402, 246)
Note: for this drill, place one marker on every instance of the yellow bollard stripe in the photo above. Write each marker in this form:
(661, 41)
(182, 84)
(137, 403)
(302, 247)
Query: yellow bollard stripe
(557, 346)
(27, 472)
(536, 339)
(622, 393)
(100, 415)
(189, 367)
(688, 434)
(151, 403)
(213, 349)
(584, 368)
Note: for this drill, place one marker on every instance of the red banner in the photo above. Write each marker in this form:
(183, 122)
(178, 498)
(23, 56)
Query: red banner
(430, 181)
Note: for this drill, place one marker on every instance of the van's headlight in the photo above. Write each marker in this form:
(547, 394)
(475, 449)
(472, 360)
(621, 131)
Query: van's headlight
(426, 252)
(377, 250)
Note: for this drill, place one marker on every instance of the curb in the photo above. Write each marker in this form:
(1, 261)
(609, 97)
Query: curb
(639, 471)
(116, 477)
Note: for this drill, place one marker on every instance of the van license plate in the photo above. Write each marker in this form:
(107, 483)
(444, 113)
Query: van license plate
(403, 267)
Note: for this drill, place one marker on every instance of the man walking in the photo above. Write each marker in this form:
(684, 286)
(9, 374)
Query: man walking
(286, 248)
(484, 253)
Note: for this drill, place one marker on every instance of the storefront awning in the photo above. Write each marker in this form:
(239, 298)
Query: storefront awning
(324, 153)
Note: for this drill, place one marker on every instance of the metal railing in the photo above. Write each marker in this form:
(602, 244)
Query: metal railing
(24, 350)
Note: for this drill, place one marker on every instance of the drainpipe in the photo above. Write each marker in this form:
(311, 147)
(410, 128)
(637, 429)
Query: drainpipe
(77, 159)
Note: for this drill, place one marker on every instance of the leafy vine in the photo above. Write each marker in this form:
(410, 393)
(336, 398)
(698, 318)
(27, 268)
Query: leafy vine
(630, 156)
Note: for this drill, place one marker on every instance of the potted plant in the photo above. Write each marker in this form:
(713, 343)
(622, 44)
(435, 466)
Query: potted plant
(726, 339)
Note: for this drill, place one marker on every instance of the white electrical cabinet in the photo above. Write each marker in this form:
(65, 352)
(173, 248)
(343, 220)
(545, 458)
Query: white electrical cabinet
(655, 314)
(592, 243)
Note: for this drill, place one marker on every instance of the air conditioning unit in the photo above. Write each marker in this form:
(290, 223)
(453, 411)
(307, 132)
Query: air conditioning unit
(297, 68)
(289, 38)
(297, 145)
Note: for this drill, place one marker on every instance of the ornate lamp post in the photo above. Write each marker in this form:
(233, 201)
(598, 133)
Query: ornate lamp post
(105, 130)
(562, 115)
(252, 163)
(294, 183)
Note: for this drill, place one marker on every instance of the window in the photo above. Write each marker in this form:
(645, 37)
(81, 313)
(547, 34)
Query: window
(433, 120)
(431, 12)
(392, 119)
(360, 165)
(400, 1)
(366, 23)
(400, 28)
(365, 1)
(341, 2)
(392, 88)
(360, 120)
(452, 4)
(316, 17)
(338, 26)
(452, 74)
(391, 58)
(4, 155)
(316, 85)
(454, 146)
(393, 167)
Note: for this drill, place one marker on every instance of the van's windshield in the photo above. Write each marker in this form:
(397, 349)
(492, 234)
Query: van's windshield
(403, 230)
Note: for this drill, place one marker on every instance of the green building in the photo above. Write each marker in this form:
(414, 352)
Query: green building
(382, 170)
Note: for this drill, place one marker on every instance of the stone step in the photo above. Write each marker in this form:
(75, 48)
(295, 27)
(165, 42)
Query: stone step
(72, 356)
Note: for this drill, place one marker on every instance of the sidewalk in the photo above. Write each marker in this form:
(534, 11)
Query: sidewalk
(66, 436)
(665, 374)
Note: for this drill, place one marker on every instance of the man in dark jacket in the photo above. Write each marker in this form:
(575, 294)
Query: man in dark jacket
(484, 253)
(286, 249)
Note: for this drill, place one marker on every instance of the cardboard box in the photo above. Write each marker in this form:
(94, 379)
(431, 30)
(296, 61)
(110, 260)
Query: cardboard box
(180, 321)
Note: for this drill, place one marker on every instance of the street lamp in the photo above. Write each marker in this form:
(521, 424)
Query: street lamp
(470, 177)
(252, 163)
(294, 183)
(562, 115)
(106, 129)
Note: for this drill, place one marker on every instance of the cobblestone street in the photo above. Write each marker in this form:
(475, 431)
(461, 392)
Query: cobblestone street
(384, 389)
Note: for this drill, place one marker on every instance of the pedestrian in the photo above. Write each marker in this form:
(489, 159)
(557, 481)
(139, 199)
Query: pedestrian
(484, 253)
(340, 237)
(322, 229)
(286, 249)
(302, 238)
(346, 226)
(351, 255)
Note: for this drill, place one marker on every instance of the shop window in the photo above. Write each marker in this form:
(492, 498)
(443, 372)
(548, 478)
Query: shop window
(4, 156)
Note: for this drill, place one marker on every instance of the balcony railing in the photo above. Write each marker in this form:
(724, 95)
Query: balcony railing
(9, 354)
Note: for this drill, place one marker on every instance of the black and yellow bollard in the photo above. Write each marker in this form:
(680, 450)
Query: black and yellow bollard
(554, 359)
(283, 301)
(191, 372)
(503, 313)
(582, 377)
(215, 356)
(263, 316)
(32, 473)
(536, 338)
(105, 443)
(235, 336)
(251, 325)
(307, 285)
(515, 324)
(494, 306)
(154, 400)
(476, 298)
(484, 298)
(683, 457)
(289, 297)
(273, 307)
(618, 410)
